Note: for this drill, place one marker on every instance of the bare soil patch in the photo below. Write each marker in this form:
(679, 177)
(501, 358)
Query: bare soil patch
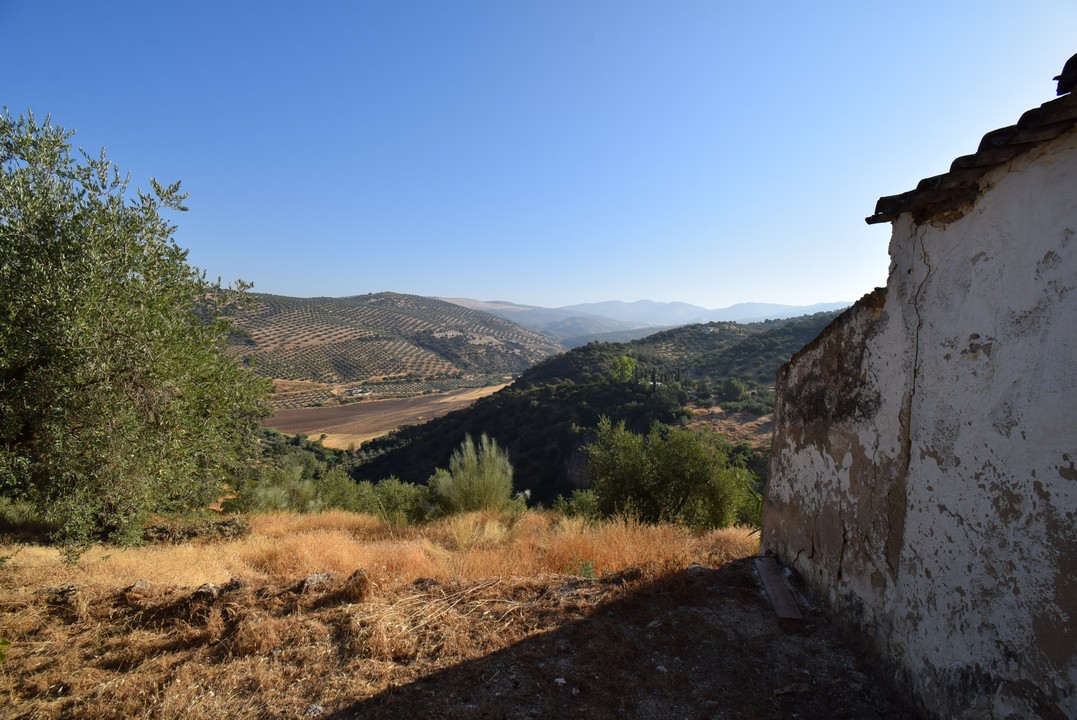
(359, 422)
(738, 427)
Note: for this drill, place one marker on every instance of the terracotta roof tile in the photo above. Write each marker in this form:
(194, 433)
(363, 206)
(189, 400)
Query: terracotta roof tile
(954, 192)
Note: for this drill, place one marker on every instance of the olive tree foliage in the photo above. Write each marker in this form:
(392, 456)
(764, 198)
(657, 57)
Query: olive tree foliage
(479, 477)
(671, 474)
(117, 394)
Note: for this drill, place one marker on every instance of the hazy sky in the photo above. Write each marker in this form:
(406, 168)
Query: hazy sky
(546, 153)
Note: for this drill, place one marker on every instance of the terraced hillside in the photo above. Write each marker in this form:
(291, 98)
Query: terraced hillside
(324, 350)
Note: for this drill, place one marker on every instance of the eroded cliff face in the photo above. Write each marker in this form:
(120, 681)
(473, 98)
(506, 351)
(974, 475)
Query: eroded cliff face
(923, 472)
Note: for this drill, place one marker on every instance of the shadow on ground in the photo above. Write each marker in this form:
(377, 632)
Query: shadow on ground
(698, 644)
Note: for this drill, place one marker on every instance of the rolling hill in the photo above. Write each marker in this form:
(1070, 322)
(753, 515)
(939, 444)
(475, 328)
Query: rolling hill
(323, 350)
(546, 416)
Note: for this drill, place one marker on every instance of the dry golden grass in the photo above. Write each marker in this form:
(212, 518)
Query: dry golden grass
(139, 633)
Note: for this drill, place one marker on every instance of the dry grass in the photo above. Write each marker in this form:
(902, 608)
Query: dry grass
(139, 633)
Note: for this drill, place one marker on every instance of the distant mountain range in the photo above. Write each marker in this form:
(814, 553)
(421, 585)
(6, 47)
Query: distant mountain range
(575, 325)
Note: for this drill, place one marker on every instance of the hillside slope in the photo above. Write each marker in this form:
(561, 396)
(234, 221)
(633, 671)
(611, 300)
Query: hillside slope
(380, 343)
(546, 416)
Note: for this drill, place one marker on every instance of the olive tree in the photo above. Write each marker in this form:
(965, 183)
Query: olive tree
(671, 474)
(117, 394)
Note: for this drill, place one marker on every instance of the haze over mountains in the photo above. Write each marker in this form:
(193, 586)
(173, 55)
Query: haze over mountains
(615, 320)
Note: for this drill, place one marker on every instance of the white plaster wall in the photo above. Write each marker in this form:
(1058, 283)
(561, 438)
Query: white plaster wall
(968, 583)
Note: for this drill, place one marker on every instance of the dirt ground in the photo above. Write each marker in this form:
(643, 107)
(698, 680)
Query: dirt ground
(704, 643)
(698, 643)
(355, 423)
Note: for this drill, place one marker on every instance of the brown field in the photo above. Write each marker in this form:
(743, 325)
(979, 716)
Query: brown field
(354, 424)
(737, 427)
(477, 616)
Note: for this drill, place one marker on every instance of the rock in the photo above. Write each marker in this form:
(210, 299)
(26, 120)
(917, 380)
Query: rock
(313, 581)
(625, 576)
(798, 687)
(232, 585)
(206, 591)
(59, 594)
(140, 586)
(695, 569)
(424, 584)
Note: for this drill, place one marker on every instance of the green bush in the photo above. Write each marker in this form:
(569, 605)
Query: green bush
(479, 478)
(671, 474)
(299, 476)
(732, 390)
(582, 503)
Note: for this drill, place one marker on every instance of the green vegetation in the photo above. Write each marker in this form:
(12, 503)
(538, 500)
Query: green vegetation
(669, 475)
(624, 368)
(479, 478)
(117, 396)
(298, 475)
(550, 414)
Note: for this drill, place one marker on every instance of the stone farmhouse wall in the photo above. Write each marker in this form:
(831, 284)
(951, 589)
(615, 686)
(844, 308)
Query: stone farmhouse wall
(924, 460)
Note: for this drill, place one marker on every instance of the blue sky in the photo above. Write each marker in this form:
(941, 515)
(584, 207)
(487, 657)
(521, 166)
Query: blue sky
(546, 153)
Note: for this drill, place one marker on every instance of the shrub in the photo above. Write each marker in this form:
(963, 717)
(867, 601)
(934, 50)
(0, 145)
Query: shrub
(671, 474)
(582, 503)
(732, 390)
(398, 503)
(479, 477)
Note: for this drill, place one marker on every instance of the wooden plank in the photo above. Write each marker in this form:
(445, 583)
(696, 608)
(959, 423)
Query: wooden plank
(781, 599)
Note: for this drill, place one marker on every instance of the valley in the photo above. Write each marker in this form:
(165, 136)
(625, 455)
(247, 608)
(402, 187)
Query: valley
(400, 380)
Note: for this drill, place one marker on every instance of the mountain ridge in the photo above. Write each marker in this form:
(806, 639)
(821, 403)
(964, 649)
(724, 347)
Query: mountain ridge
(575, 325)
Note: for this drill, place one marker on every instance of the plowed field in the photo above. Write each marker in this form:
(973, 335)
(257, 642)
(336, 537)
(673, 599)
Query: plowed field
(356, 423)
